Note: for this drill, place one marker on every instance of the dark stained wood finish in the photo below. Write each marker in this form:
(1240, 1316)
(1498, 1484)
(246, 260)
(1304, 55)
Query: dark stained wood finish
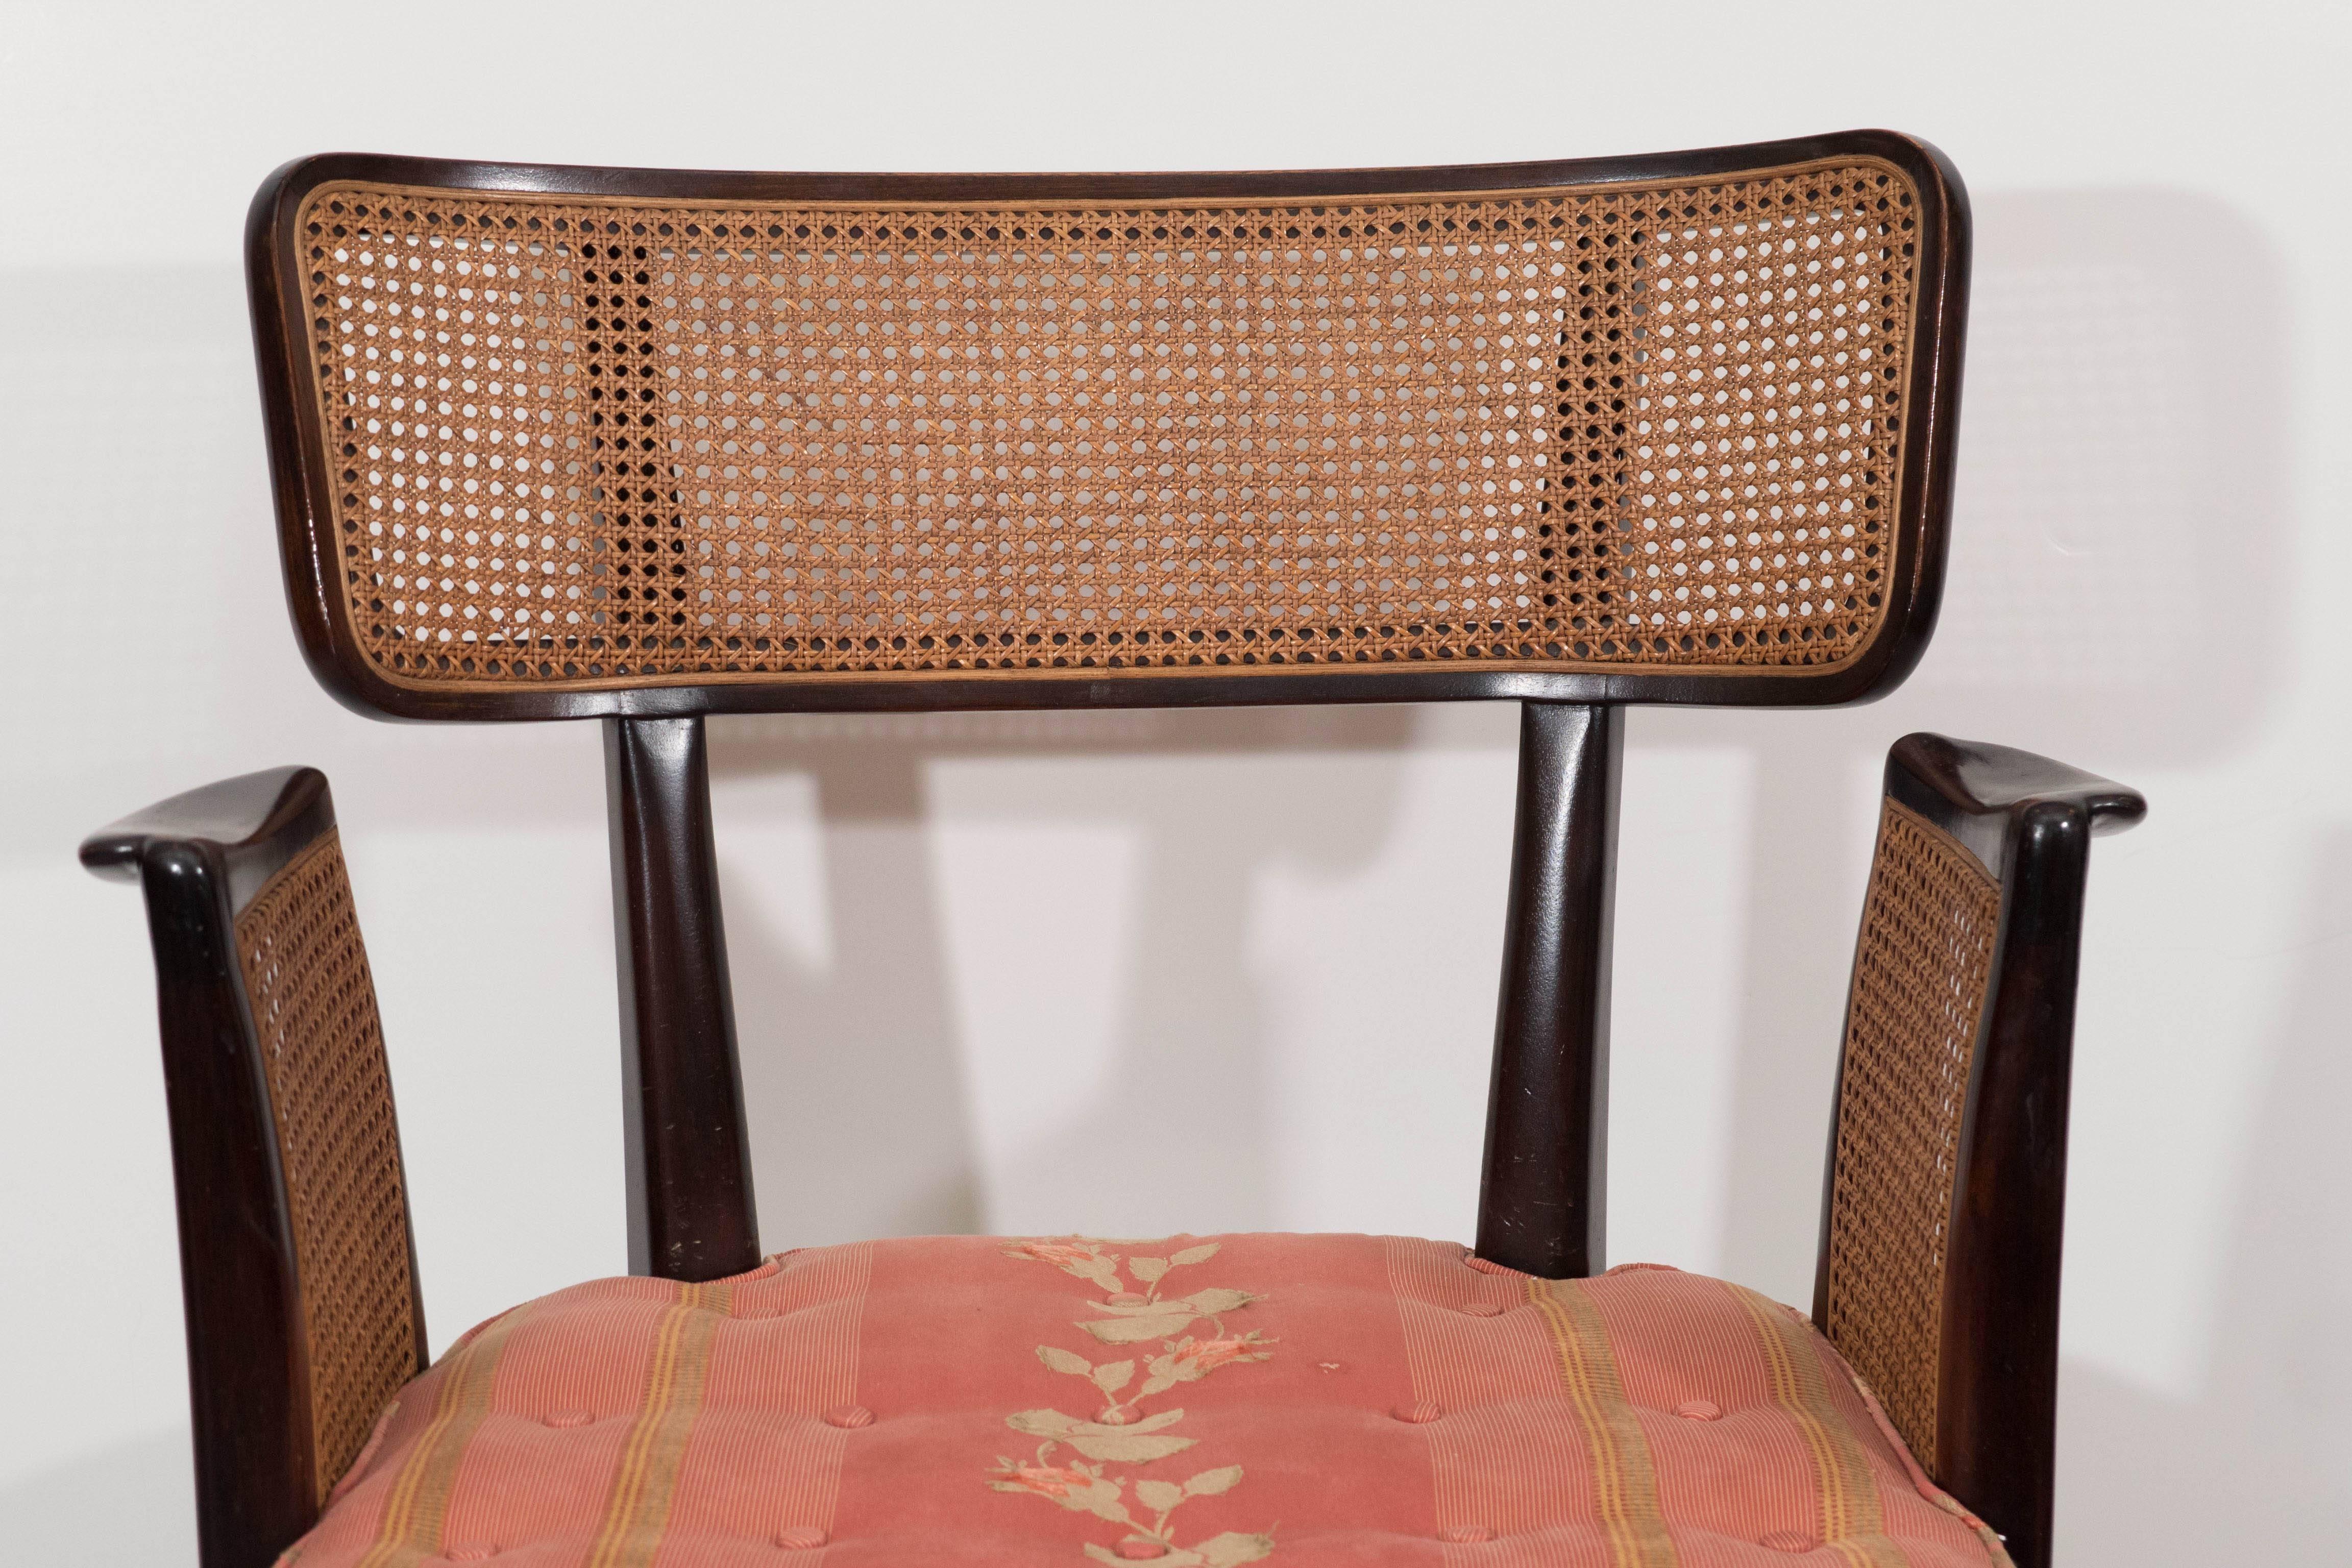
(312, 555)
(689, 1180)
(2030, 822)
(688, 1149)
(1543, 1194)
(200, 858)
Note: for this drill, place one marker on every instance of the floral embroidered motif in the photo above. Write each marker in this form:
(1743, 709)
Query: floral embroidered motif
(1121, 1433)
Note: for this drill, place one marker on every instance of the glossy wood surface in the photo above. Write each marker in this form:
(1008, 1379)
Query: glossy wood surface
(312, 555)
(688, 1147)
(1542, 1196)
(2030, 821)
(1543, 1193)
(256, 823)
(199, 857)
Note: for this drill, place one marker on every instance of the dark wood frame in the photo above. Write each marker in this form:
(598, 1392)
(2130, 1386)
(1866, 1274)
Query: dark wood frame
(2029, 822)
(200, 857)
(1546, 1150)
(311, 552)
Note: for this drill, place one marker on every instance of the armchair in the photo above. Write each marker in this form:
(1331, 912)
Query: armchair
(646, 446)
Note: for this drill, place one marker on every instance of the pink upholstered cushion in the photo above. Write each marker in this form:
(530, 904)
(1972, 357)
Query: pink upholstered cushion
(1312, 1400)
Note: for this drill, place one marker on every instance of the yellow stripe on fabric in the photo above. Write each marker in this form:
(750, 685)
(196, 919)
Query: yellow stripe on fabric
(637, 1512)
(419, 1501)
(1624, 1479)
(1852, 1523)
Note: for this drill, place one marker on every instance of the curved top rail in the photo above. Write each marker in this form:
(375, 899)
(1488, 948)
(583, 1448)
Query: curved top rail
(553, 442)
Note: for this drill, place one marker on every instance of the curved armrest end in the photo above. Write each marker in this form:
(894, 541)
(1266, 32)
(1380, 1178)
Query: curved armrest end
(1975, 791)
(255, 822)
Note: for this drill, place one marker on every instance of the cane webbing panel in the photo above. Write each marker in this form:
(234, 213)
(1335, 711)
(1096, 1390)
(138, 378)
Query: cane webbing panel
(1920, 973)
(577, 442)
(313, 1002)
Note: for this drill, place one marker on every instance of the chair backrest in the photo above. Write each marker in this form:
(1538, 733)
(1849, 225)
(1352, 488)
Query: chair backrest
(557, 441)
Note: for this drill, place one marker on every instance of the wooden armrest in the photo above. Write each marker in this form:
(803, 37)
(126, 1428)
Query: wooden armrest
(254, 823)
(1944, 1202)
(295, 1256)
(1975, 792)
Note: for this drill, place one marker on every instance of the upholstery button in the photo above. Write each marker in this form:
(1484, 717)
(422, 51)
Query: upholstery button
(1427, 1410)
(1787, 1540)
(1465, 1534)
(568, 1418)
(851, 1416)
(1115, 1416)
(1138, 1551)
(1699, 1410)
(1483, 1309)
(800, 1537)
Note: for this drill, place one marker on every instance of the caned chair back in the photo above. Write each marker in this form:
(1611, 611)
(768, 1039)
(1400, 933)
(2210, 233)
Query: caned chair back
(567, 441)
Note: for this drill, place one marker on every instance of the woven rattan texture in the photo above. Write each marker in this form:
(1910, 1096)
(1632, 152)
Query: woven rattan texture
(585, 444)
(1920, 974)
(314, 1001)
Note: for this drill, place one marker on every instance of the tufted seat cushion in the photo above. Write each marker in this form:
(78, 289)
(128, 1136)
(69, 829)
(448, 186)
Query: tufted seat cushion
(1194, 1401)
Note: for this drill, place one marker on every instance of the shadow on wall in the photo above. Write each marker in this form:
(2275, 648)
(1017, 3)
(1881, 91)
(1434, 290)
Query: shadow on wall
(2263, 1452)
(2112, 599)
(861, 1122)
(2116, 559)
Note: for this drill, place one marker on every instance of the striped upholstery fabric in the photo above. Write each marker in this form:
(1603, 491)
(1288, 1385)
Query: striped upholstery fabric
(1197, 1402)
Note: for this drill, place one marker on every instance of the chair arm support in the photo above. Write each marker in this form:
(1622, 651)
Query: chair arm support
(297, 1263)
(1944, 1202)
(254, 823)
(1979, 793)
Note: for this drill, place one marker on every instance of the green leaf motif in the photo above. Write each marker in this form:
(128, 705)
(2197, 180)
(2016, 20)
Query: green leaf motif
(1099, 1496)
(1127, 1447)
(1077, 1481)
(1138, 1321)
(1102, 1271)
(1210, 1483)
(1233, 1548)
(1162, 1324)
(1159, 1496)
(1139, 1444)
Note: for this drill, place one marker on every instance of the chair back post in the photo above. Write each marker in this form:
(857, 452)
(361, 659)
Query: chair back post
(1944, 1200)
(688, 1156)
(1543, 1191)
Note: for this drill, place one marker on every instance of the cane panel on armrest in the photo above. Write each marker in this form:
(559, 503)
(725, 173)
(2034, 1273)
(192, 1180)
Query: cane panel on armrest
(314, 1014)
(1921, 971)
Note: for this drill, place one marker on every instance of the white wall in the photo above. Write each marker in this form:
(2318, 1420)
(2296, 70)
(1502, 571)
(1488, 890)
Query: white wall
(1135, 971)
